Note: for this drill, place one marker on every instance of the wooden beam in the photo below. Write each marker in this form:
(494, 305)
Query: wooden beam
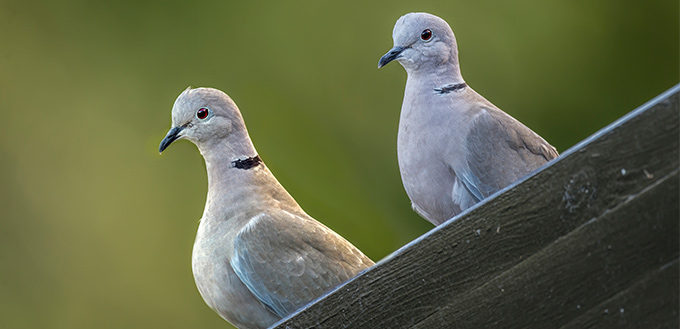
(590, 240)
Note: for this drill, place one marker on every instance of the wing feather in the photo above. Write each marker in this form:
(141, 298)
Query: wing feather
(500, 151)
(287, 260)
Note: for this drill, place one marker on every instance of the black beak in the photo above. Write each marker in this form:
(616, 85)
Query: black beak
(390, 56)
(172, 136)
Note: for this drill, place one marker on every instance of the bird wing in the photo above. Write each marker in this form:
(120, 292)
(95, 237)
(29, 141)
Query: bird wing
(287, 260)
(501, 150)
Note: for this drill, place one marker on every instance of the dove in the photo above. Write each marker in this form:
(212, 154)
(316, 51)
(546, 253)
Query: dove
(257, 256)
(454, 147)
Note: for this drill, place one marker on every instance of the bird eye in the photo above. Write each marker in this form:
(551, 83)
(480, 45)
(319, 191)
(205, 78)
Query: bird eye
(202, 113)
(426, 35)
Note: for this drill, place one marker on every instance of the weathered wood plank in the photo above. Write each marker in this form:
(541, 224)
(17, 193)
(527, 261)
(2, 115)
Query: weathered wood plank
(580, 270)
(651, 303)
(531, 233)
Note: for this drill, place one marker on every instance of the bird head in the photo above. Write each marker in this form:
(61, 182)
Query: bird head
(421, 40)
(204, 116)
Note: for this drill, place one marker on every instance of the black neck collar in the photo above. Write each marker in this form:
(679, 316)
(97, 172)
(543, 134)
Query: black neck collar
(246, 163)
(449, 88)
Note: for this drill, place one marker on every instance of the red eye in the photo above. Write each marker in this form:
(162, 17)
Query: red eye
(202, 113)
(426, 35)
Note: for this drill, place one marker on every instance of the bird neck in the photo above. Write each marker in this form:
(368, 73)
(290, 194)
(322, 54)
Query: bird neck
(447, 73)
(237, 177)
(435, 80)
(247, 163)
(225, 159)
(223, 151)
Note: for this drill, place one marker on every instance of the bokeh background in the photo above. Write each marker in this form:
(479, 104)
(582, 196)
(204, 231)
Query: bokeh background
(96, 228)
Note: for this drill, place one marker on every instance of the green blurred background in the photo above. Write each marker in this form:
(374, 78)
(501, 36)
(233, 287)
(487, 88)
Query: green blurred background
(96, 228)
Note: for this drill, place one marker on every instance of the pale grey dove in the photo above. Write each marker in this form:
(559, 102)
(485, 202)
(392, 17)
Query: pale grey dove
(257, 256)
(454, 147)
